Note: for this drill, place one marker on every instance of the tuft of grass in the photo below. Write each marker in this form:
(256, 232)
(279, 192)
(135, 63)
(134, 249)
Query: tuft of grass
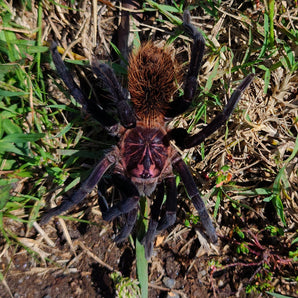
(21, 136)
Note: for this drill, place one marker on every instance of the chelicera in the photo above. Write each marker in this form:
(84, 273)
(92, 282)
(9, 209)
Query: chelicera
(144, 160)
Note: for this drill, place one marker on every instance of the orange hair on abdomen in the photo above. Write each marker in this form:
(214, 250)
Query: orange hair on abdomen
(153, 78)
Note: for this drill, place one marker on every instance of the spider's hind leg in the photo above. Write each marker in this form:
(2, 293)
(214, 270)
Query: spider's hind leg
(184, 140)
(197, 200)
(88, 105)
(182, 103)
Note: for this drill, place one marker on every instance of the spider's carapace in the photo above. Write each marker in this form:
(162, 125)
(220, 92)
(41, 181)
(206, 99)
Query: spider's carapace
(145, 156)
(144, 152)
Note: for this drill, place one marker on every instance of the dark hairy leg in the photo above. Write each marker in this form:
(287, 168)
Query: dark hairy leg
(128, 206)
(130, 198)
(181, 104)
(131, 218)
(156, 226)
(148, 239)
(169, 217)
(194, 195)
(81, 193)
(88, 105)
(132, 8)
(184, 140)
(108, 79)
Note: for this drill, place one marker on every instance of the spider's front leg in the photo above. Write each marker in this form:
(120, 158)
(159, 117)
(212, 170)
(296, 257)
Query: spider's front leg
(108, 78)
(181, 104)
(169, 217)
(87, 187)
(149, 237)
(156, 226)
(193, 193)
(128, 205)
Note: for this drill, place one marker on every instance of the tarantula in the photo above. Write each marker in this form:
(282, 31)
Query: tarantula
(144, 158)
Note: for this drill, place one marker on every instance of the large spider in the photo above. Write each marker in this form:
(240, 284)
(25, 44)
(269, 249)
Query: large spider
(144, 158)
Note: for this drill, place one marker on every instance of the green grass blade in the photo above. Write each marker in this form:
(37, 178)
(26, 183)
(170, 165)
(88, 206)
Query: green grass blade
(167, 10)
(142, 268)
(142, 264)
(276, 295)
(23, 138)
(271, 22)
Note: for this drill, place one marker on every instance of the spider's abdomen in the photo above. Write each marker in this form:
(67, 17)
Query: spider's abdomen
(144, 152)
(153, 77)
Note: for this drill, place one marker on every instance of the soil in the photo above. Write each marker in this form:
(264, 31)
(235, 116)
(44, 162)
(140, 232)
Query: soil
(180, 265)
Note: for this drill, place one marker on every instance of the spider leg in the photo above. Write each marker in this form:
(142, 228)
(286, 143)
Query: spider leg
(156, 226)
(128, 205)
(131, 218)
(148, 239)
(106, 74)
(193, 193)
(169, 217)
(181, 104)
(108, 78)
(88, 105)
(130, 198)
(131, 9)
(81, 193)
(184, 140)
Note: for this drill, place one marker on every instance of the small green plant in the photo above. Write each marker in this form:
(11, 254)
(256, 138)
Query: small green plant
(239, 232)
(263, 282)
(294, 254)
(223, 176)
(281, 186)
(263, 259)
(191, 220)
(243, 246)
(275, 231)
(125, 287)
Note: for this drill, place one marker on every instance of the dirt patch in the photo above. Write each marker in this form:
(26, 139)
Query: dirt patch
(176, 267)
